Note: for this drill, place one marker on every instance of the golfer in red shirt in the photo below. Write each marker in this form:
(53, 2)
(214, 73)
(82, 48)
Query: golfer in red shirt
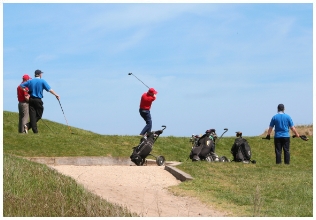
(144, 109)
(23, 106)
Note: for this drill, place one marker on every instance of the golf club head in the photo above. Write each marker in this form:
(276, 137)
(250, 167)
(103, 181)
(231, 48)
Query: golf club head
(304, 138)
(226, 129)
(164, 127)
(130, 73)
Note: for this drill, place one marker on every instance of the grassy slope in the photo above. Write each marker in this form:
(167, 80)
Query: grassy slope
(34, 190)
(261, 189)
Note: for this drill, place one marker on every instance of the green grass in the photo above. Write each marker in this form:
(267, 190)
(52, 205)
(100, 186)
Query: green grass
(261, 189)
(34, 190)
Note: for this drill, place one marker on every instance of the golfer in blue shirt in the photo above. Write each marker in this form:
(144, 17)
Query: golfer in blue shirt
(36, 108)
(282, 124)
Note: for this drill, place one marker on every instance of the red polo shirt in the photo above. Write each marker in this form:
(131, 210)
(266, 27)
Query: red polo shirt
(21, 94)
(146, 101)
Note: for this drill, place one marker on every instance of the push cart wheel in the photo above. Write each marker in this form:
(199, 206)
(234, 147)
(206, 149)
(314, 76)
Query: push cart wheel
(160, 160)
(209, 159)
(223, 159)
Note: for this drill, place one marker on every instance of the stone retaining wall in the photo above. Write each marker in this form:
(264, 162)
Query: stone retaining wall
(108, 161)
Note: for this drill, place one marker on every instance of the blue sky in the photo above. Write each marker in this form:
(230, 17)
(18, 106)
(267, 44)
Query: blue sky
(213, 65)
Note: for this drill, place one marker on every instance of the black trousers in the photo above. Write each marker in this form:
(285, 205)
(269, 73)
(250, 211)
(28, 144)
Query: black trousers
(282, 144)
(36, 110)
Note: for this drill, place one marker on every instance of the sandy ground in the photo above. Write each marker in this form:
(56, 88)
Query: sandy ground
(142, 189)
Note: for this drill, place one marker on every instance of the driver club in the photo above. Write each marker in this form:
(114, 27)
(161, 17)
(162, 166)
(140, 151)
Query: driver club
(138, 79)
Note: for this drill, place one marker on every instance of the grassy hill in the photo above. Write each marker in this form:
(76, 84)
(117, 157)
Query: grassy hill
(261, 189)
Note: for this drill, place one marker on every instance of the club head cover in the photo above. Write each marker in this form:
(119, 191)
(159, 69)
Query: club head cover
(238, 134)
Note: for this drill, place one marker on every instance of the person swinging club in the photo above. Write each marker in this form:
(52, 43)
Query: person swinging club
(144, 109)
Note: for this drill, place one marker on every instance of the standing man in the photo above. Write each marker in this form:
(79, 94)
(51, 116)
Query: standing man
(282, 122)
(36, 108)
(23, 106)
(144, 109)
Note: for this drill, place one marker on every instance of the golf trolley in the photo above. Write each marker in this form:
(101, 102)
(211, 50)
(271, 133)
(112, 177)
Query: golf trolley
(144, 149)
(206, 152)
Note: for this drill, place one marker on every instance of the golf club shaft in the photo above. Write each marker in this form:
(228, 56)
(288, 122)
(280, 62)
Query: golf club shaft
(47, 125)
(138, 79)
(64, 115)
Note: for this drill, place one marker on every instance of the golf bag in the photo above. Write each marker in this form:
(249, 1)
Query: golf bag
(203, 148)
(144, 148)
(241, 151)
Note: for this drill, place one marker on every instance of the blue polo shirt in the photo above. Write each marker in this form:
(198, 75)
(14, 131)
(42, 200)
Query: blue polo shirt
(282, 124)
(36, 87)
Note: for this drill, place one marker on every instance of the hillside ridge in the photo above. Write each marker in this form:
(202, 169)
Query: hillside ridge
(301, 129)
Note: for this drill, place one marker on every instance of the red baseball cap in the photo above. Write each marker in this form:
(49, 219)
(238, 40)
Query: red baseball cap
(26, 77)
(152, 90)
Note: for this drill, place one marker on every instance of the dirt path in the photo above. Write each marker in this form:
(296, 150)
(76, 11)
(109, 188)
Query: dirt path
(141, 189)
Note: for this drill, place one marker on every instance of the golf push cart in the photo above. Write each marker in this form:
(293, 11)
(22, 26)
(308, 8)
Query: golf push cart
(203, 149)
(144, 149)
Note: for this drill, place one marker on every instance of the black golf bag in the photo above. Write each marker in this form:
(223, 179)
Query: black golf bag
(203, 148)
(241, 151)
(144, 148)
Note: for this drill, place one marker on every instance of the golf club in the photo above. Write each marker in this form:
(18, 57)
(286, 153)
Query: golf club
(138, 79)
(47, 126)
(303, 137)
(65, 117)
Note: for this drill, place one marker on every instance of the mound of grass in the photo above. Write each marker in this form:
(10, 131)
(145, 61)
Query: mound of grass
(56, 140)
(261, 189)
(34, 190)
